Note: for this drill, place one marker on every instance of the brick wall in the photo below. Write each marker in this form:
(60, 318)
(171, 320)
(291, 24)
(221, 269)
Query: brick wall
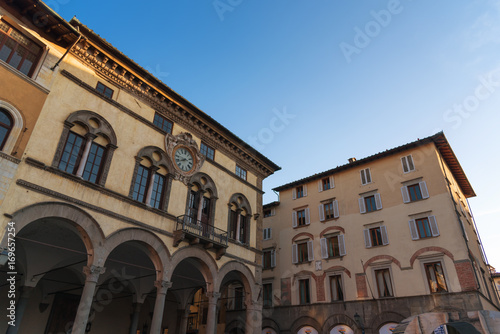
(361, 286)
(465, 275)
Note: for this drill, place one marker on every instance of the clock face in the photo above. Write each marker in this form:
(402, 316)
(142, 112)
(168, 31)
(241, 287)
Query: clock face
(184, 159)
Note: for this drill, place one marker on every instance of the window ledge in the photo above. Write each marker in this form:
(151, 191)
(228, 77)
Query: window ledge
(24, 77)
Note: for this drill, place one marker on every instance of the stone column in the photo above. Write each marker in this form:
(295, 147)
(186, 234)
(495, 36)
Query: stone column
(135, 318)
(238, 223)
(184, 319)
(253, 324)
(213, 298)
(82, 314)
(151, 184)
(161, 292)
(83, 161)
(22, 302)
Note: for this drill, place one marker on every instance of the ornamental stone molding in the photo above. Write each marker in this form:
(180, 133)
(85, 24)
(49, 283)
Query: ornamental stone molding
(163, 286)
(157, 98)
(185, 140)
(92, 273)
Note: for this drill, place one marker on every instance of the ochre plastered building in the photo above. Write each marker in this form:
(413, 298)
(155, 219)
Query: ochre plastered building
(133, 211)
(381, 242)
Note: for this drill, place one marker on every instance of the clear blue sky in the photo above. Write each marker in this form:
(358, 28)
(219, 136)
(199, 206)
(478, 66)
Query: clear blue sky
(355, 78)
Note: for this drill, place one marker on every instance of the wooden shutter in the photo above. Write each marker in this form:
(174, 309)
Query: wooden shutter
(294, 219)
(295, 254)
(378, 201)
(366, 234)
(362, 208)
(383, 231)
(323, 242)
(463, 227)
(321, 209)
(413, 229)
(265, 234)
(273, 258)
(434, 226)
(368, 175)
(406, 195)
(273, 212)
(404, 162)
(342, 251)
(423, 189)
(332, 182)
(304, 190)
(308, 220)
(411, 166)
(320, 185)
(294, 193)
(363, 177)
(335, 209)
(310, 250)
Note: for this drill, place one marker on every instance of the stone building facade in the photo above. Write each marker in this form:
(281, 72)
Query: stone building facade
(133, 211)
(379, 244)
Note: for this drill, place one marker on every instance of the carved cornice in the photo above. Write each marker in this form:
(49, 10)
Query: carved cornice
(10, 158)
(159, 99)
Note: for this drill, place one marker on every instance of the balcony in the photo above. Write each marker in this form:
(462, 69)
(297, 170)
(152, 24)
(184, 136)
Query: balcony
(196, 232)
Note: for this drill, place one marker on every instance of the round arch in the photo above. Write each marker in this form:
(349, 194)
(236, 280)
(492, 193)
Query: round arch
(303, 322)
(205, 263)
(241, 202)
(204, 183)
(84, 118)
(248, 279)
(85, 225)
(386, 317)
(270, 323)
(338, 319)
(150, 243)
(16, 129)
(149, 151)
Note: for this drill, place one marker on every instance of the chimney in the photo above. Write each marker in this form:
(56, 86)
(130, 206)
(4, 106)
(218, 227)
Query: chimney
(351, 160)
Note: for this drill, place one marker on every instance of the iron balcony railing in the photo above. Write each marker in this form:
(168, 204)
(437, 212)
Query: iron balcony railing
(205, 231)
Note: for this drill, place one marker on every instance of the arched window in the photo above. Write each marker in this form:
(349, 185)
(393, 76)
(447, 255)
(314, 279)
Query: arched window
(202, 196)
(151, 180)
(86, 147)
(6, 124)
(239, 218)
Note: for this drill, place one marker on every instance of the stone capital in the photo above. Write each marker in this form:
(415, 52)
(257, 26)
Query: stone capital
(93, 273)
(162, 286)
(213, 296)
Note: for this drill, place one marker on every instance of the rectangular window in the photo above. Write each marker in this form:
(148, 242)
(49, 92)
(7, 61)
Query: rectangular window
(435, 277)
(94, 162)
(238, 298)
(104, 90)
(241, 173)
(233, 222)
(72, 153)
(268, 213)
(304, 297)
(300, 191)
(328, 210)
(268, 258)
(407, 163)
(384, 285)
(207, 151)
(141, 184)
(326, 183)
(17, 50)
(303, 253)
(376, 236)
(425, 227)
(163, 123)
(332, 246)
(267, 233)
(267, 294)
(414, 192)
(336, 288)
(370, 204)
(366, 177)
(301, 217)
(157, 194)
